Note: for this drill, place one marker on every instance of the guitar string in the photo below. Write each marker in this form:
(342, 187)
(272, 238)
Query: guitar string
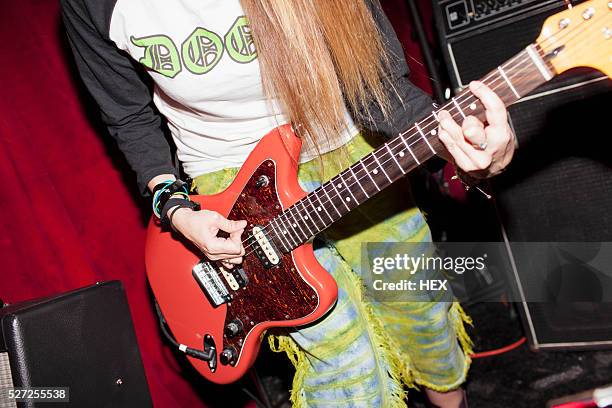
(574, 52)
(358, 178)
(461, 98)
(469, 95)
(416, 136)
(290, 211)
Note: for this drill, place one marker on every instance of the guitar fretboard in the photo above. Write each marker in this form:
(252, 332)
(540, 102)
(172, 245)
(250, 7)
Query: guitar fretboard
(397, 157)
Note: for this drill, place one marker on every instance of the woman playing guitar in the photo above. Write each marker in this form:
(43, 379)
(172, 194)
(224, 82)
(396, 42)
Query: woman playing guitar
(334, 69)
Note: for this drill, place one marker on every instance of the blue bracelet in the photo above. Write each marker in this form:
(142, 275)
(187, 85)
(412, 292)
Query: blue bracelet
(165, 190)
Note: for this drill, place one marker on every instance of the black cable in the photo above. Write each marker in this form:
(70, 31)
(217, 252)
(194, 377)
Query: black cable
(205, 355)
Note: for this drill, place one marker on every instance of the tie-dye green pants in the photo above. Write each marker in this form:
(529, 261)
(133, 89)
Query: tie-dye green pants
(365, 352)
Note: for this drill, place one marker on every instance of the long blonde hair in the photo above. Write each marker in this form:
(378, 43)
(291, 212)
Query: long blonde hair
(314, 56)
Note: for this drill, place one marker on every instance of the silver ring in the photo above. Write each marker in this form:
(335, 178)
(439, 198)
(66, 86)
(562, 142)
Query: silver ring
(481, 146)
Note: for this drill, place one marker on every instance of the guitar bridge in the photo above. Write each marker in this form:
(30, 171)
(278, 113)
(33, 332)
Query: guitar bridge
(209, 281)
(265, 249)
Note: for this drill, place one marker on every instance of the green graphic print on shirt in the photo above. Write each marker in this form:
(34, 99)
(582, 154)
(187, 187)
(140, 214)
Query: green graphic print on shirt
(200, 52)
(160, 54)
(239, 42)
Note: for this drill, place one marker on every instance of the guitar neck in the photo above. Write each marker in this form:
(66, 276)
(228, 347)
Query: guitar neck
(322, 207)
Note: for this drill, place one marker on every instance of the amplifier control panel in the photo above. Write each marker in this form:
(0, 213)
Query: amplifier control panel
(462, 15)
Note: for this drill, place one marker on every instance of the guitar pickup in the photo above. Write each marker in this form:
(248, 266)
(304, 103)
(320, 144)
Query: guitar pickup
(265, 249)
(208, 279)
(235, 277)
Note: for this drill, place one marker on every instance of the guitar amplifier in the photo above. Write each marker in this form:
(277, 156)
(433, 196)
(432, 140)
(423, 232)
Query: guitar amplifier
(77, 349)
(558, 189)
(478, 35)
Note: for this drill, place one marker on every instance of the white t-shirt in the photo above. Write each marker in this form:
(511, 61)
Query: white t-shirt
(202, 58)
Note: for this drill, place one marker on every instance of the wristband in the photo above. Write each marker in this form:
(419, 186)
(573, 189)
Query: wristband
(170, 215)
(164, 191)
(161, 185)
(176, 202)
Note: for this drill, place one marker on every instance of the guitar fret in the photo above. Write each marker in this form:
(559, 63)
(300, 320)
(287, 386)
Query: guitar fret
(296, 222)
(458, 107)
(394, 159)
(331, 220)
(539, 63)
(409, 149)
(338, 193)
(346, 186)
(424, 138)
(303, 219)
(309, 217)
(503, 74)
(330, 200)
(316, 212)
(287, 213)
(286, 232)
(358, 182)
(279, 234)
(373, 154)
(369, 175)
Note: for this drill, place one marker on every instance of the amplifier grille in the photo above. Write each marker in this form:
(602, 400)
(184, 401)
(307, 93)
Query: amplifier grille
(557, 189)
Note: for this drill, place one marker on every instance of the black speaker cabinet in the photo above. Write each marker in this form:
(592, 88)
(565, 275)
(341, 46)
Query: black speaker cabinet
(478, 35)
(559, 189)
(83, 341)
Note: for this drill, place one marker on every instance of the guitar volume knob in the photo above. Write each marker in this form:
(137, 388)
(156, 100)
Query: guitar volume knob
(233, 328)
(228, 355)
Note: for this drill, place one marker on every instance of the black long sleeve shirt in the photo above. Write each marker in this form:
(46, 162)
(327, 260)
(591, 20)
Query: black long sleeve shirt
(115, 80)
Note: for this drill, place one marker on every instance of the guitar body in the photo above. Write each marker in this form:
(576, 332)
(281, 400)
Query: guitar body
(295, 292)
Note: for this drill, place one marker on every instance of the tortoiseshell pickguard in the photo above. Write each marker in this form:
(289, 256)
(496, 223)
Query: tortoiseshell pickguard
(275, 294)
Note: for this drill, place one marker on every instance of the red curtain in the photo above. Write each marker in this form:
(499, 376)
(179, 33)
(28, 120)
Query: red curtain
(70, 214)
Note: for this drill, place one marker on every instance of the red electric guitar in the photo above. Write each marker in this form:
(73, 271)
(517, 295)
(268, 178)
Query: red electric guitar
(225, 313)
